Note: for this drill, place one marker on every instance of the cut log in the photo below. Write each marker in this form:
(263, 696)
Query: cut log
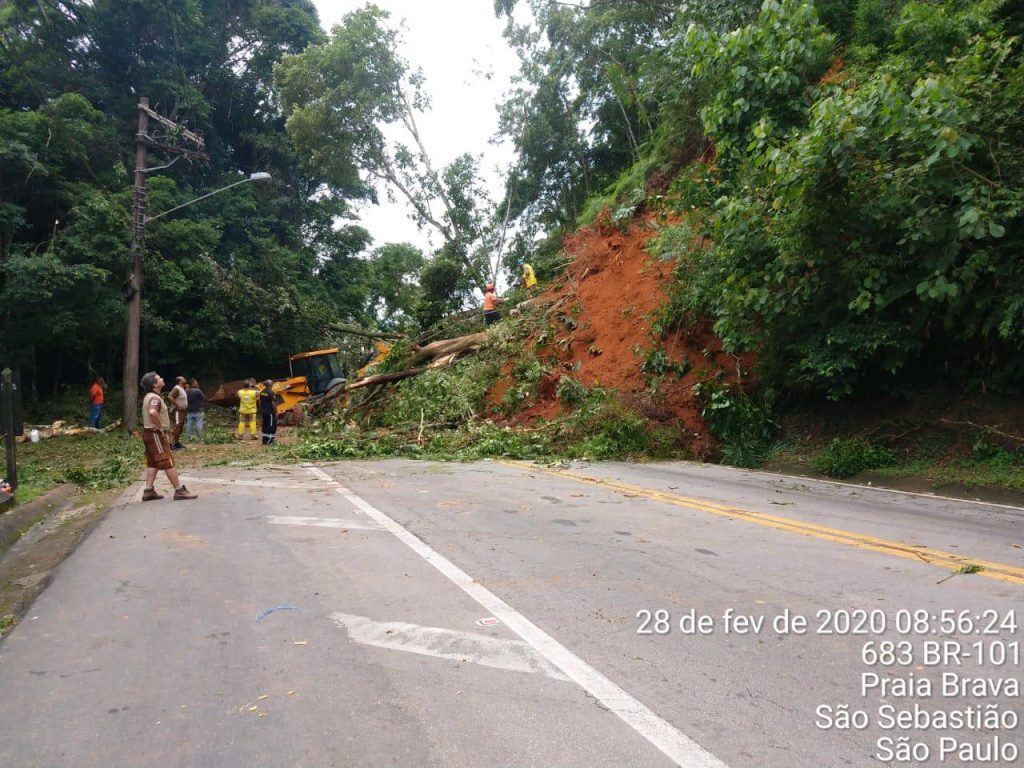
(446, 347)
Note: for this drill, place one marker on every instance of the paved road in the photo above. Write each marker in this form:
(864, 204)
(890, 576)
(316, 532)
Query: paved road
(417, 614)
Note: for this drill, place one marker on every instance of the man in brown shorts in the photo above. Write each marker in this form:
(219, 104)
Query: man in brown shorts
(155, 424)
(179, 407)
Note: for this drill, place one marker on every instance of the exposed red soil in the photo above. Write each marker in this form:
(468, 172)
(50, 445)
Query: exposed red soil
(611, 292)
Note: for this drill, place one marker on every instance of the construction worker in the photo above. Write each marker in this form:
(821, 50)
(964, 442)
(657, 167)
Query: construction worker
(491, 313)
(268, 413)
(527, 278)
(247, 400)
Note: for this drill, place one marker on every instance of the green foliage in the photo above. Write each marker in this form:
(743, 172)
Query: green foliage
(346, 98)
(605, 428)
(214, 435)
(656, 363)
(744, 426)
(844, 458)
(570, 391)
(238, 281)
(491, 441)
(91, 461)
(754, 79)
(995, 455)
(867, 228)
(454, 394)
(111, 473)
(445, 286)
(392, 281)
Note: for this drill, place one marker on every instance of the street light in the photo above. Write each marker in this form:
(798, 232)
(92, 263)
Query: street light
(130, 376)
(258, 176)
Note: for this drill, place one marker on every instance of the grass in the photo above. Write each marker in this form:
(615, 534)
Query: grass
(961, 471)
(102, 461)
(935, 459)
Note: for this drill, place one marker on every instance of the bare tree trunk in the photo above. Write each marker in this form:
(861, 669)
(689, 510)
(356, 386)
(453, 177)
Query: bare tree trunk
(448, 347)
(353, 331)
(385, 378)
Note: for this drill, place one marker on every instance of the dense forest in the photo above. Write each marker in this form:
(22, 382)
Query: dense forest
(839, 184)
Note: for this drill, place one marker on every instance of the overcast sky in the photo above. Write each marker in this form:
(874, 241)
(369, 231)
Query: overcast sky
(455, 42)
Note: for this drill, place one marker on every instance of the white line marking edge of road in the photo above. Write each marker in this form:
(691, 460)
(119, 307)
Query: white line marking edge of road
(671, 742)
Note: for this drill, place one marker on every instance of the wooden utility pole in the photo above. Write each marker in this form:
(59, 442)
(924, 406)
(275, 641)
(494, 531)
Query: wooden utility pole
(133, 291)
(11, 423)
(130, 379)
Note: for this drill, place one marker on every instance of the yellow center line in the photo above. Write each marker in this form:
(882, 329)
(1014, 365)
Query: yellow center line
(948, 560)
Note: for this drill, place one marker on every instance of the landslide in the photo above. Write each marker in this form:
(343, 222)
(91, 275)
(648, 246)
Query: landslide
(603, 331)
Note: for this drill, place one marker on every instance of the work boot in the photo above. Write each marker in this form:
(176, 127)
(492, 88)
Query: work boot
(150, 494)
(182, 493)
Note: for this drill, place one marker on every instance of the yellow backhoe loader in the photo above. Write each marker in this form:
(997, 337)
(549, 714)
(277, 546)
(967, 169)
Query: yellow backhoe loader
(313, 375)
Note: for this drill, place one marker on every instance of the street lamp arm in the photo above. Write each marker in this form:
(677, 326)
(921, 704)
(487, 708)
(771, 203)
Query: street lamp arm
(253, 177)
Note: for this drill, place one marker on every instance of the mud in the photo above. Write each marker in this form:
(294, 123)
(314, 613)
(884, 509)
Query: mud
(602, 315)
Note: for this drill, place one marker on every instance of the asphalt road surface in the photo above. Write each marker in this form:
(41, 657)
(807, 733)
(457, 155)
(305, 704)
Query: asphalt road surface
(503, 614)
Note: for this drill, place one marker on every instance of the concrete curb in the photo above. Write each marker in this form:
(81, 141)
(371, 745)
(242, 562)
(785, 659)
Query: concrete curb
(22, 517)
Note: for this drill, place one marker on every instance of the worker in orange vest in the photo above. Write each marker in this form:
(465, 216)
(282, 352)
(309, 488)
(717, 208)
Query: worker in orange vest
(491, 313)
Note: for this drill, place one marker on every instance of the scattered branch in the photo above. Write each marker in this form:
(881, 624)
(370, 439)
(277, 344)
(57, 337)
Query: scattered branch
(984, 428)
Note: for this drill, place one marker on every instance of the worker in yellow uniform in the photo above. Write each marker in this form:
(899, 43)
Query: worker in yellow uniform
(248, 397)
(528, 278)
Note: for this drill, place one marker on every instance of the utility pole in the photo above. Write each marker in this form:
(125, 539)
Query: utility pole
(133, 290)
(10, 409)
(130, 379)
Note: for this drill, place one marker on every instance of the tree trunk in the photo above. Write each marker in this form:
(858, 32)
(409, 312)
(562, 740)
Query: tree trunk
(385, 378)
(352, 330)
(448, 347)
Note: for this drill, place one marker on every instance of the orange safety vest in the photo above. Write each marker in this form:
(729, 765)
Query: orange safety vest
(489, 301)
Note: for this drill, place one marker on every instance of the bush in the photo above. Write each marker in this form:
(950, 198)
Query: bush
(844, 458)
(570, 391)
(605, 428)
(744, 426)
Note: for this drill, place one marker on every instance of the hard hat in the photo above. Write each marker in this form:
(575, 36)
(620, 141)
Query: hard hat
(489, 287)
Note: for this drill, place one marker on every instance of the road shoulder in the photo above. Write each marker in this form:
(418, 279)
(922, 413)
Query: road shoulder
(45, 532)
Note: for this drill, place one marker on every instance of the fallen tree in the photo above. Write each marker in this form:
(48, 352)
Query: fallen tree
(364, 332)
(446, 347)
(382, 378)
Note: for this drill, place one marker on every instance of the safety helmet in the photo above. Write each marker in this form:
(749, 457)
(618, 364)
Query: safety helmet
(489, 287)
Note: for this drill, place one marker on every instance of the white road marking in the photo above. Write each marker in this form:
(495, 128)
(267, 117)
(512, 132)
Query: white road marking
(678, 747)
(487, 651)
(323, 522)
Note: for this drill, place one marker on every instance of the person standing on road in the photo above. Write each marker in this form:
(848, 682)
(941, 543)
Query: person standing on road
(155, 423)
(491, 313)
(179, 407)
(96, 401)
(268, 413)
(247, 398)
(196, 410)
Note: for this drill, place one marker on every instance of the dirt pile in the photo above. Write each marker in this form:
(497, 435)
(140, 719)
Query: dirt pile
(600, 317)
